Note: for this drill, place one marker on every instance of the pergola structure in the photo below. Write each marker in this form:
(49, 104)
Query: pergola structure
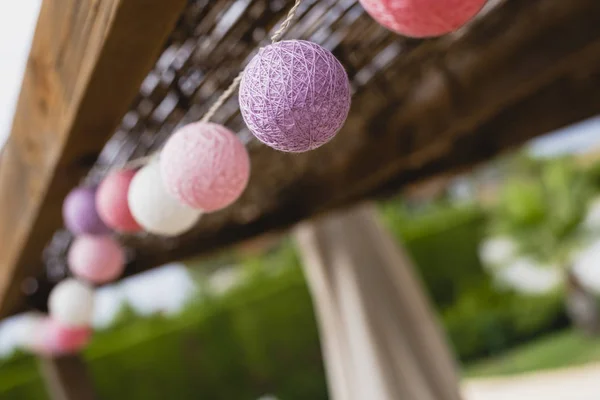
(108, 80)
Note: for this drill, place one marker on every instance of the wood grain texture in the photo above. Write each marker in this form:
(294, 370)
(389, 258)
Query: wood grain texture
(522, 70)
(87, 61)
(67, 378)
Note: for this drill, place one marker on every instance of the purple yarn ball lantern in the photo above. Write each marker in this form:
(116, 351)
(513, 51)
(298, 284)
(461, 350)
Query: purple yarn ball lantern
(294, 96)
(80, 215)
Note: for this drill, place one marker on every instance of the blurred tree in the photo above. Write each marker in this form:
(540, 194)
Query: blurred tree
(537, 227)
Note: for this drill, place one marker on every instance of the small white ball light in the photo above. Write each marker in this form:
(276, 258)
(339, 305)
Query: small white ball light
(27, 330)
(156, 210)
(71, 303)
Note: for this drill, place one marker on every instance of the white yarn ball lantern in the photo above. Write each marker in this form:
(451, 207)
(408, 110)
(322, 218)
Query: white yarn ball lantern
(156, 210)
(71, 303)
(27, 330)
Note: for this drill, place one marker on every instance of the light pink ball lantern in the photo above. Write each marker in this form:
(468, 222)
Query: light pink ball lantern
(205, 166)
(97, 259)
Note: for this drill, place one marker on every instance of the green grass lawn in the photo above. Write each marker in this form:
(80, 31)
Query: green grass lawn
(561, 350)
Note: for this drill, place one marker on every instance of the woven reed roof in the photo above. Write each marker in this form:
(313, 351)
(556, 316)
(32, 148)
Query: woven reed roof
(421, 108)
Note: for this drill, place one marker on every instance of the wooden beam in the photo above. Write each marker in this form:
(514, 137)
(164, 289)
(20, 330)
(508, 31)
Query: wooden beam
(380, 337)
(67, 378)
(524, 69)
(87, 62)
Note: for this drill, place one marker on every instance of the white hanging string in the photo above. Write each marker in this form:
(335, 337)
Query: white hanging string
(286, 23)
(236, 82)
(223, 98)
(277, 35)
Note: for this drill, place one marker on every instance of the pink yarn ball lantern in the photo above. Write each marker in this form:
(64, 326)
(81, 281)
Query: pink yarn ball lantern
(294, 96)
(97, 259)
(55, 339)
(205, 166)
(111, 202)
(423, 18)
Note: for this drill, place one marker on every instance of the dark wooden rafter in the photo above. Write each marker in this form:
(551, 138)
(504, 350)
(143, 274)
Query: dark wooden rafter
(521, 70)
(87, 62)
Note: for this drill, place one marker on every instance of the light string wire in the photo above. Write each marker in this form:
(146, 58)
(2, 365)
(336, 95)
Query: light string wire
(141, 161)
(236, 82)
(277, 35)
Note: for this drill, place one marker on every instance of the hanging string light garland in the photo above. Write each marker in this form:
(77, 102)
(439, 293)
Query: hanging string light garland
(294, 97)
(204, 165)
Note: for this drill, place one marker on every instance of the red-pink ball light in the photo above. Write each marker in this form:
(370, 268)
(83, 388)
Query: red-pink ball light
(423, 18)
(205, 166)
(111, 202)
(97, 259)
(55, 339)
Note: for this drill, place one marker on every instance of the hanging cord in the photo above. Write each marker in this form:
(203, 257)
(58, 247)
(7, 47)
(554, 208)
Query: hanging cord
(236, 82)
(139, 162)
(277, 35)
(286, 23)
(223, 98)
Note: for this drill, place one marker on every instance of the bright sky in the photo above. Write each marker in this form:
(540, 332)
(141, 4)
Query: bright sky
(17, 24)
(576, 138)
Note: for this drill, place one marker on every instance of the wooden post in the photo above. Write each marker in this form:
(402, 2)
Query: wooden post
(67, 378)
(379, 335)
(87, 62)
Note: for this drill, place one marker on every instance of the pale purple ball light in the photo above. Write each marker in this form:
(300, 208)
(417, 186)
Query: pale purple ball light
(294, 95)
(79, 212)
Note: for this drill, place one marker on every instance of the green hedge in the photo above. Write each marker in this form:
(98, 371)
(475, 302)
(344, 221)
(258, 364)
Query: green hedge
(443, 243)
(20, 380)
(262, 337)
(486, 322)
(479, 320)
